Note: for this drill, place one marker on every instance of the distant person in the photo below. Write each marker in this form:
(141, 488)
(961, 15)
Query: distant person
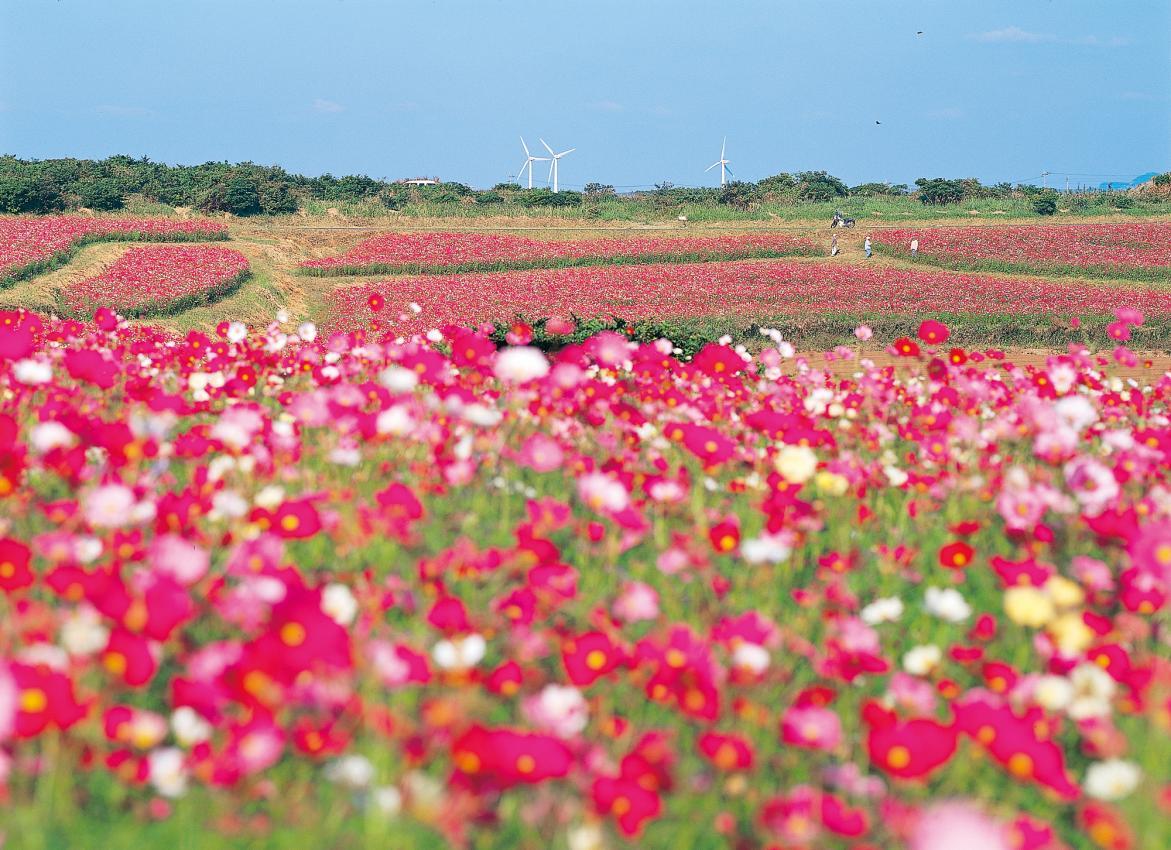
(833, 246)
(866, 247)
(914, 248)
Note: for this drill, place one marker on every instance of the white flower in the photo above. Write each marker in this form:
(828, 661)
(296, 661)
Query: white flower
(1076, 412)
(396, 421)
(1112, 779)
(885, 610)
(307, 331)
(108, 506)
(353, 771)
(1053, 692)
(796, 463)
(586, 837)
(83, 633)
(269, 497)
(237, 332)
(50, 435)
(1093, 689)
(415, 308)
(751, 656)
(339, 603)
(32, 372)
(895, 476)
(459, 653)
(922, 660)
(947, 604)
(766, 549)
(168, 774)
(189, 727)
(387, 800)
(520, 363)
(398, 380)
(482, 415)
(228, 503)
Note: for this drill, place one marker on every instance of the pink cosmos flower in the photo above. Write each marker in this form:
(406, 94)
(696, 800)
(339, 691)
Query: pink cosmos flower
(541, 453)
(958, 825)
(637, 601)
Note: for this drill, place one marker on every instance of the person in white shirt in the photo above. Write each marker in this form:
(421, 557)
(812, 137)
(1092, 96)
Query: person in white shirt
(914, 247)
(866, 247)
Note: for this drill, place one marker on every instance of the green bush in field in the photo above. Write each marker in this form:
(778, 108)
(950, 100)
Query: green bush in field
(1123, 202)
(820, 186)
(936, 191)
(1045, 203)
(102, 194)
(548, 198)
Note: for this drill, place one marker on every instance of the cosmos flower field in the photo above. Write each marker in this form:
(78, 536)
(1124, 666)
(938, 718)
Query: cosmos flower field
(411, 580)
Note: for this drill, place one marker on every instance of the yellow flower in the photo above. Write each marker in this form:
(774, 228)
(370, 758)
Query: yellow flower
(831, 483)
(1029, 606)
(796, 463)
(1071, 632)
(1065, 593)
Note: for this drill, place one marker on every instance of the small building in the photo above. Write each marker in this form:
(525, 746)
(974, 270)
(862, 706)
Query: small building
(420, 181)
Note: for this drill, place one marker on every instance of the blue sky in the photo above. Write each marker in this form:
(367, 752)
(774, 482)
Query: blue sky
(646, 89)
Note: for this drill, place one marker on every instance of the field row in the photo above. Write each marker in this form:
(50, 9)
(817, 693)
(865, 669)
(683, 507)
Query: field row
(453, 253)
(738, 290)
(29, 246)
(1134, 250)
(435, 591)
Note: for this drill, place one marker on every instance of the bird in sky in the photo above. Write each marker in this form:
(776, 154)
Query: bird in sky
(877, 122)
(920, 32)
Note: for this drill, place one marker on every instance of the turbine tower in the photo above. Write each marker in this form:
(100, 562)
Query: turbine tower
(529, 160)
(723, 162)
(556, 159)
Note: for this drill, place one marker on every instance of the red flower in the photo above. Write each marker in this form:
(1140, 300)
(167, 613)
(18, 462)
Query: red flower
(14, 565)
(933, 332)
(956, 555)
(906, 347)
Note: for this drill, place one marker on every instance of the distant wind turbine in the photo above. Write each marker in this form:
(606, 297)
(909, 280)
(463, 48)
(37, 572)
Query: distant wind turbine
(723, 162)
(556, 159)
(529, 160)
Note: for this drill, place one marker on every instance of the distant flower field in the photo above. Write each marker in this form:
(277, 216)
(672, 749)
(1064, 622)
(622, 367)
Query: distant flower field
(159, 279)
(746, 290)
(1138, 250)
(29, 245)
(439, 253)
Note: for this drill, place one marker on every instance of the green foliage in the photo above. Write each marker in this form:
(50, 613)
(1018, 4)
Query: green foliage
(1123, 202)
(879, 190)
(738, 194)
(937, 190)
(820, 186)
(276, 198)
(598, 190)
(105, 193)
(548, 198)
(1163, 179)
(1045, 203)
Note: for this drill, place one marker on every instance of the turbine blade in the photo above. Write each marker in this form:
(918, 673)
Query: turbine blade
(563, 153)
(523, 145)
(710, 167)
(723, 147)
(729, 170)
(546, 144)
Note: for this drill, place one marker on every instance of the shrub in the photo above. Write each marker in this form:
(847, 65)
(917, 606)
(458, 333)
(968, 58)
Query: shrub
(1123, 202)
(738, 194)
(820, 186)
(102, 194)
(23, 195)
(548, 198)
(276, 199)
(1163, 179)
(598, 190)
(879, 190)
(489, 197)
(937, 191)
(1045, 203)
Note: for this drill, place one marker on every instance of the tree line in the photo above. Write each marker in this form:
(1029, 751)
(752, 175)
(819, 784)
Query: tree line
(245, 188)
